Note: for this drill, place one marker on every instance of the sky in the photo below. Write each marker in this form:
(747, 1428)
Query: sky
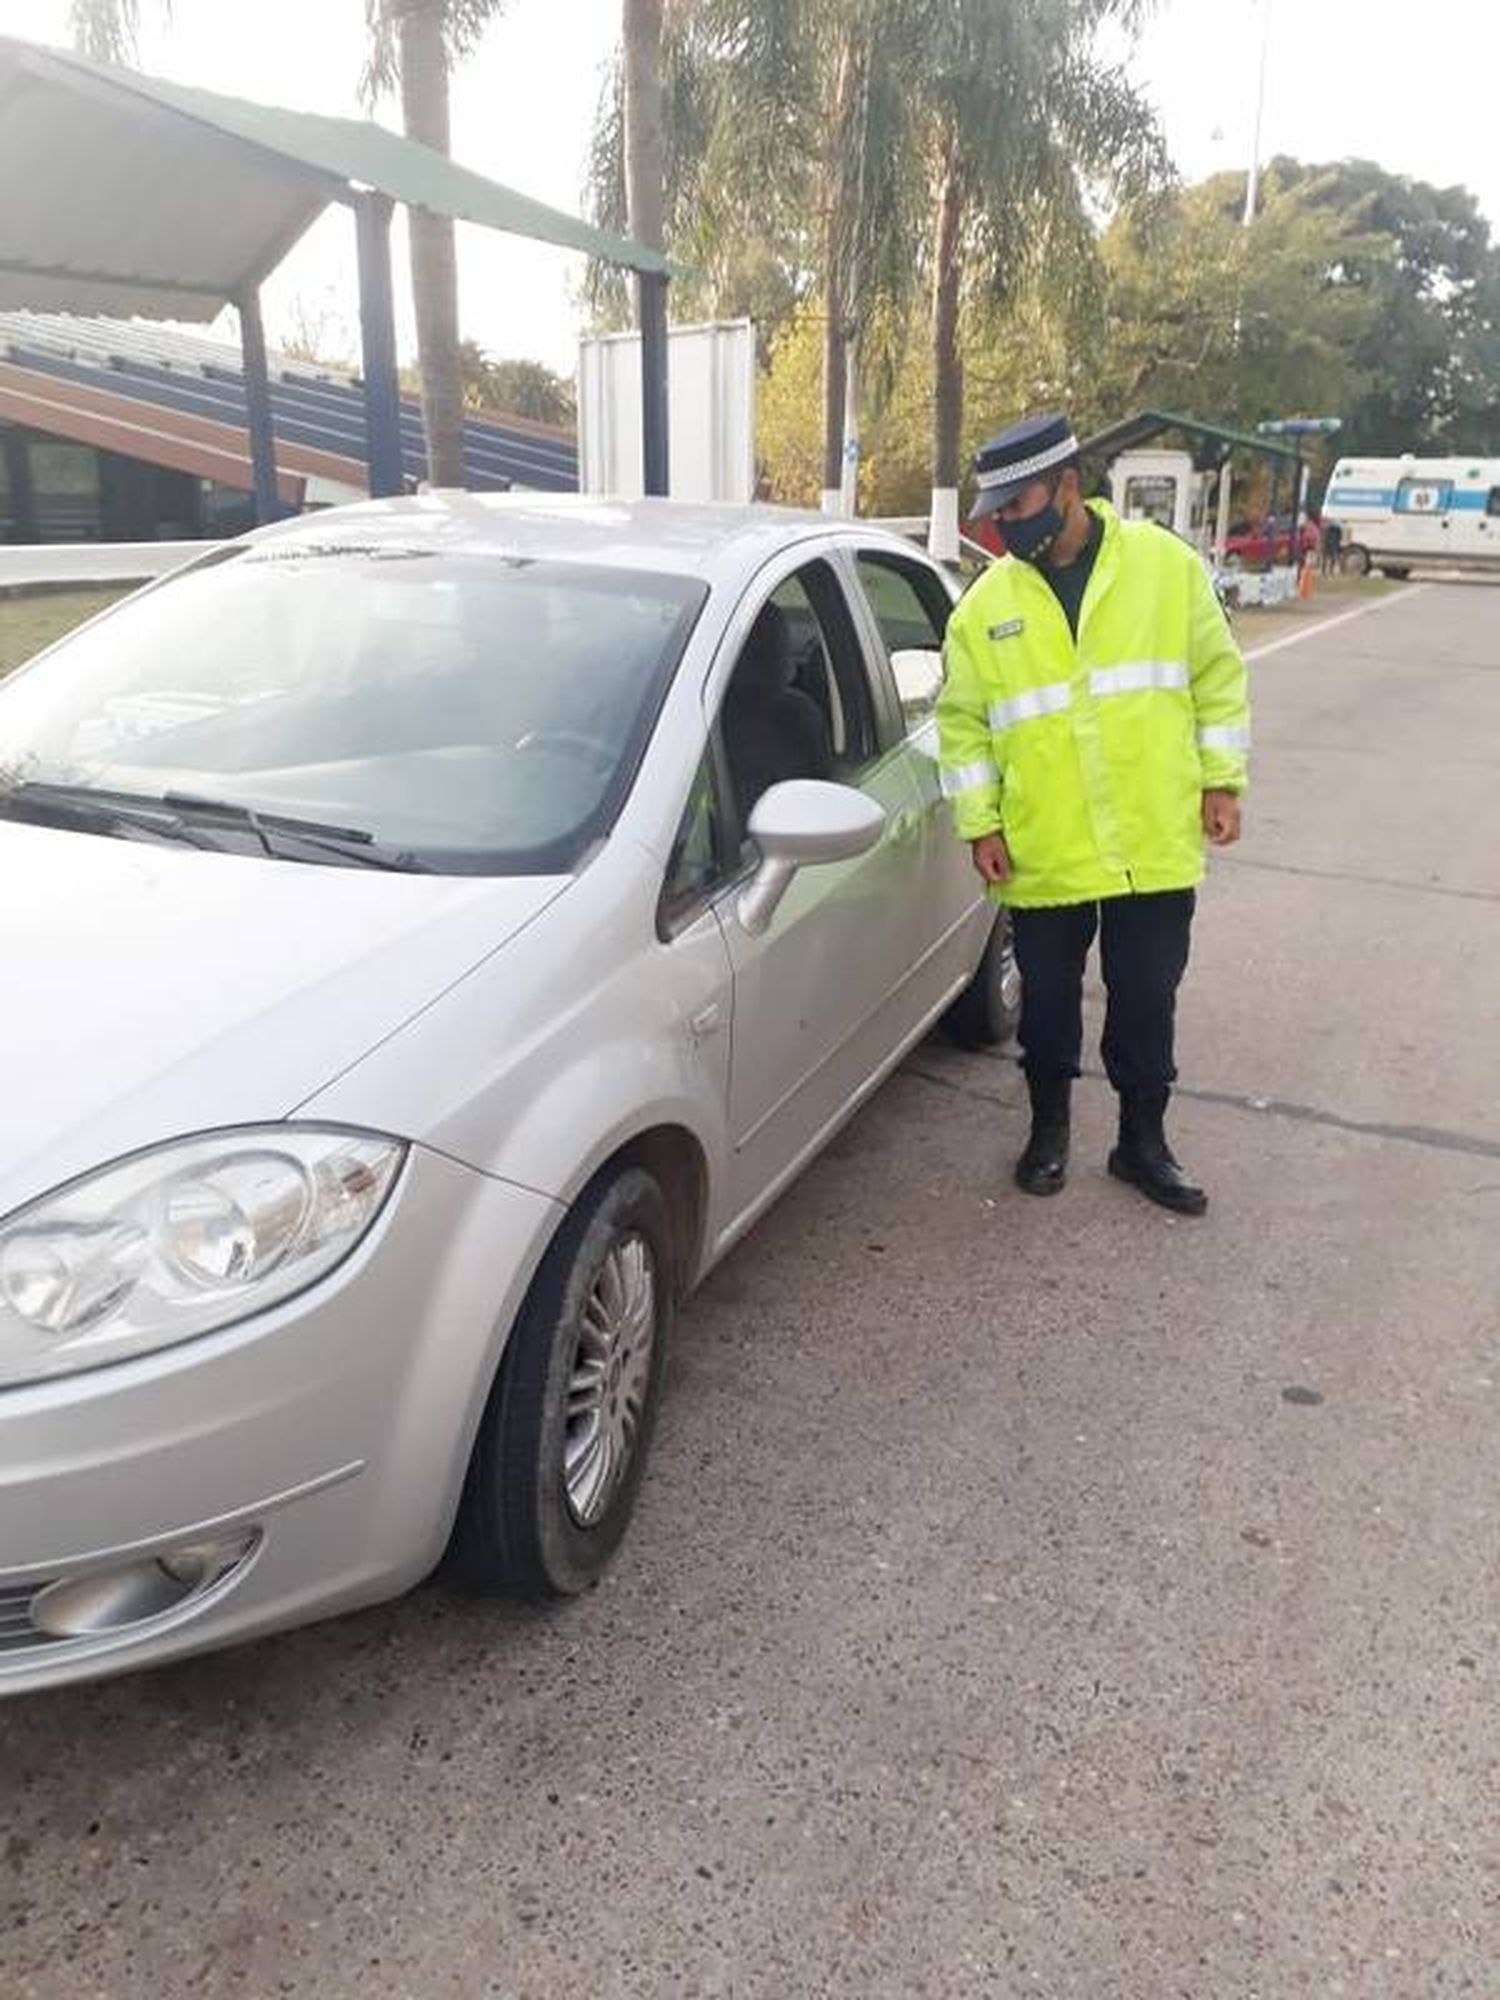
(1343, 77)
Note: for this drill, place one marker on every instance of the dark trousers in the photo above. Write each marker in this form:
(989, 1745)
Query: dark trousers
(1143, 952)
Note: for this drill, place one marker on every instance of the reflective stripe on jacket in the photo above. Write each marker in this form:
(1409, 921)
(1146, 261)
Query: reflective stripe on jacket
(1091, 758)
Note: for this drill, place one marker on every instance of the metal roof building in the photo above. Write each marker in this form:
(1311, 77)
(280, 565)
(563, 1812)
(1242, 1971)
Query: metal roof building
(158, 397)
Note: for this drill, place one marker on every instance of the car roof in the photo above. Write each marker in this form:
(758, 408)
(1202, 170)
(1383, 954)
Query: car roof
(671, 536)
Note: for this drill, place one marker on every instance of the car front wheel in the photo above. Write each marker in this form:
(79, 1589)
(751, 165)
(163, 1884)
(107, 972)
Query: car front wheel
(564, 1438)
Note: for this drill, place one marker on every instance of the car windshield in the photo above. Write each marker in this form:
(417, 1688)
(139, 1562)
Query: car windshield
(479, 714)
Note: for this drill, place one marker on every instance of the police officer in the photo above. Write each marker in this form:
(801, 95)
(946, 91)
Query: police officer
(1094, 727)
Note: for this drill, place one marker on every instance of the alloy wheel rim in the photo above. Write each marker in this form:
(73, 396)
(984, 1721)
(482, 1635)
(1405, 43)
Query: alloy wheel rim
(609, 1379)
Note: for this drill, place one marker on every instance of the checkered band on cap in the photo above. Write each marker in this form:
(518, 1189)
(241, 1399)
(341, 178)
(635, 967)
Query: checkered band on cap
(1014, 472)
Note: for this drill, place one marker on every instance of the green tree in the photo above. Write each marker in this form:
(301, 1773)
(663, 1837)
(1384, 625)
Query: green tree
(413, 45)
(786, 164)
(515, 388)
(845, 154)
(1356, 293)
(1029, 128)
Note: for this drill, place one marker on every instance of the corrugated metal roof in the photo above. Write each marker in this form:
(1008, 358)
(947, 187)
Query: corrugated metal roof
(158, 394)
(125, 194)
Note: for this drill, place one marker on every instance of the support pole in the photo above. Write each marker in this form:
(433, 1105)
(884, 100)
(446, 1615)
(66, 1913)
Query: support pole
(651, 293)
(1221, 523)
(24, 525)
(258, 408)
(1299, 508)
(377, 332)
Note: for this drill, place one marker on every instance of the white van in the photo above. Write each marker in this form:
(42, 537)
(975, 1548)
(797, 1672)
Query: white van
(1397, 513)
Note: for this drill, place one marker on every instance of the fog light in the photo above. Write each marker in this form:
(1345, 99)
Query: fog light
(113, 1600)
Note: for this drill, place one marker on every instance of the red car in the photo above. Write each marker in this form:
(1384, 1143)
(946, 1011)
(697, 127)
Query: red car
(1259, 544)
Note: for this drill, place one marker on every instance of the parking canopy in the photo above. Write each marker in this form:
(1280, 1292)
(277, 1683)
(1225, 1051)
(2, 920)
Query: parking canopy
(126, 195)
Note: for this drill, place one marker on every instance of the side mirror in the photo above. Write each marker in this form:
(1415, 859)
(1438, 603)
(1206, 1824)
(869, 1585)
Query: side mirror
(801, 824)
(919, 680)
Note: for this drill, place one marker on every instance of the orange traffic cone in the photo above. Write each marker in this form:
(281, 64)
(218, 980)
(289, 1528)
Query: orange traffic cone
(1305, 576)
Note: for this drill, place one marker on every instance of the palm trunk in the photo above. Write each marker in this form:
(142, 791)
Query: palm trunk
(947, 361)
(838, 229)
(644, 143)
(434, 263)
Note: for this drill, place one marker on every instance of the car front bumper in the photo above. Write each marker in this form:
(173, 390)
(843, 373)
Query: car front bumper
(319, 1448)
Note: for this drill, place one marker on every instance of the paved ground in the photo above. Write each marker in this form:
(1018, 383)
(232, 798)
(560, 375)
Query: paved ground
(1030, 1599)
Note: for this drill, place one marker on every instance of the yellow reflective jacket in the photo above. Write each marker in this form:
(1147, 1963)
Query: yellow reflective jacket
(1091, 758)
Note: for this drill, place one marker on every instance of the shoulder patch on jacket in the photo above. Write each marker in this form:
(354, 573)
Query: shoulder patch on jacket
(1008, 628)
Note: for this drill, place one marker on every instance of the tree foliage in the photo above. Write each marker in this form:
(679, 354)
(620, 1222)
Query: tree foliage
(1356, 293)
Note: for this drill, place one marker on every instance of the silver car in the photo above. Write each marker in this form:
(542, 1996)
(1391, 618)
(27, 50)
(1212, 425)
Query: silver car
(435, 931)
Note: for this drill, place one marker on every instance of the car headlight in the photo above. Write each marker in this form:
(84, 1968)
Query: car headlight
(182, 1240)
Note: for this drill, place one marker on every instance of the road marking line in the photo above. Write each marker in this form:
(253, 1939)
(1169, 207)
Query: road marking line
(1343, 618)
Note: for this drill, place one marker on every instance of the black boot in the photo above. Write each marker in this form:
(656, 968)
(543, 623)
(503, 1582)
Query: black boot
(1043, 1167)
(1144, 1158)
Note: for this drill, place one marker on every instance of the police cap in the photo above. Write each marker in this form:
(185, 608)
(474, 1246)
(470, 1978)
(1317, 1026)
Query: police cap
(1019, 454)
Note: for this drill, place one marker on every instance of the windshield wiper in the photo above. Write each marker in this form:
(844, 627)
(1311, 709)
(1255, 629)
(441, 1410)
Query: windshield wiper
(97, 811)
(183, 816)
(355, 844)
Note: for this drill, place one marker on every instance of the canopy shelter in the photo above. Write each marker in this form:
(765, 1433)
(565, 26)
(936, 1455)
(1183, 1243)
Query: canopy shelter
(127, 195)
(1212, 446)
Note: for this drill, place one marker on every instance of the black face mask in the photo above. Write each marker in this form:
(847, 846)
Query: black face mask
(1031, 537)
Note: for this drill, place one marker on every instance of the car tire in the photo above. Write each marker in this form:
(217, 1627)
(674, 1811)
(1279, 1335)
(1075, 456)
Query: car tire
(1397, 572)
(543, 1510)
(988, 1011)
(1355, 561)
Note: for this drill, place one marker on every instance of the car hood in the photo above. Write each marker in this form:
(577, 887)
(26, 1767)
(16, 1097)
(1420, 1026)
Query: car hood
(150, 991)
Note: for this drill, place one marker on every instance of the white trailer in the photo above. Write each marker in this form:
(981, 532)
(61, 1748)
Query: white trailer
(711, 373)
(1398, 514)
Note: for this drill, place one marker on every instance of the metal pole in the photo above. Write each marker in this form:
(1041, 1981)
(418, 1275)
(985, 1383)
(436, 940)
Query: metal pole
(651, 295)
(258, 408)
(24, 525)
(1221, 524)
(377, 332)
(1252, 186)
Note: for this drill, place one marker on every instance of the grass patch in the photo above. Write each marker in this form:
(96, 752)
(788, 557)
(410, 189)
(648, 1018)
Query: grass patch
(33, 619)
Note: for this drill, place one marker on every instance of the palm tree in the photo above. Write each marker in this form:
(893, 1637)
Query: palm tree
(790, 113)
(106, 29)
(1029, 126)
(413, 44)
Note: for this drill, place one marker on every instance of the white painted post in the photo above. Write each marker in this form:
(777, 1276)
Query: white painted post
(942, 527)
(849, 488)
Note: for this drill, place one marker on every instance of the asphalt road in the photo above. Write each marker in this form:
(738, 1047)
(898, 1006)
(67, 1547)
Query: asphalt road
(1049, 1599)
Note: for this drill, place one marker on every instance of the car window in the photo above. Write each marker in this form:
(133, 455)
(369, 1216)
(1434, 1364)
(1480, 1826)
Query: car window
(799, 702)
(911, 609)
(484, 714)
(699, 852)
(1492, 507)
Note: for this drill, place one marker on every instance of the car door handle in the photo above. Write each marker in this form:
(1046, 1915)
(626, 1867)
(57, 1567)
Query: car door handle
(707, 1021)
(905, 825)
